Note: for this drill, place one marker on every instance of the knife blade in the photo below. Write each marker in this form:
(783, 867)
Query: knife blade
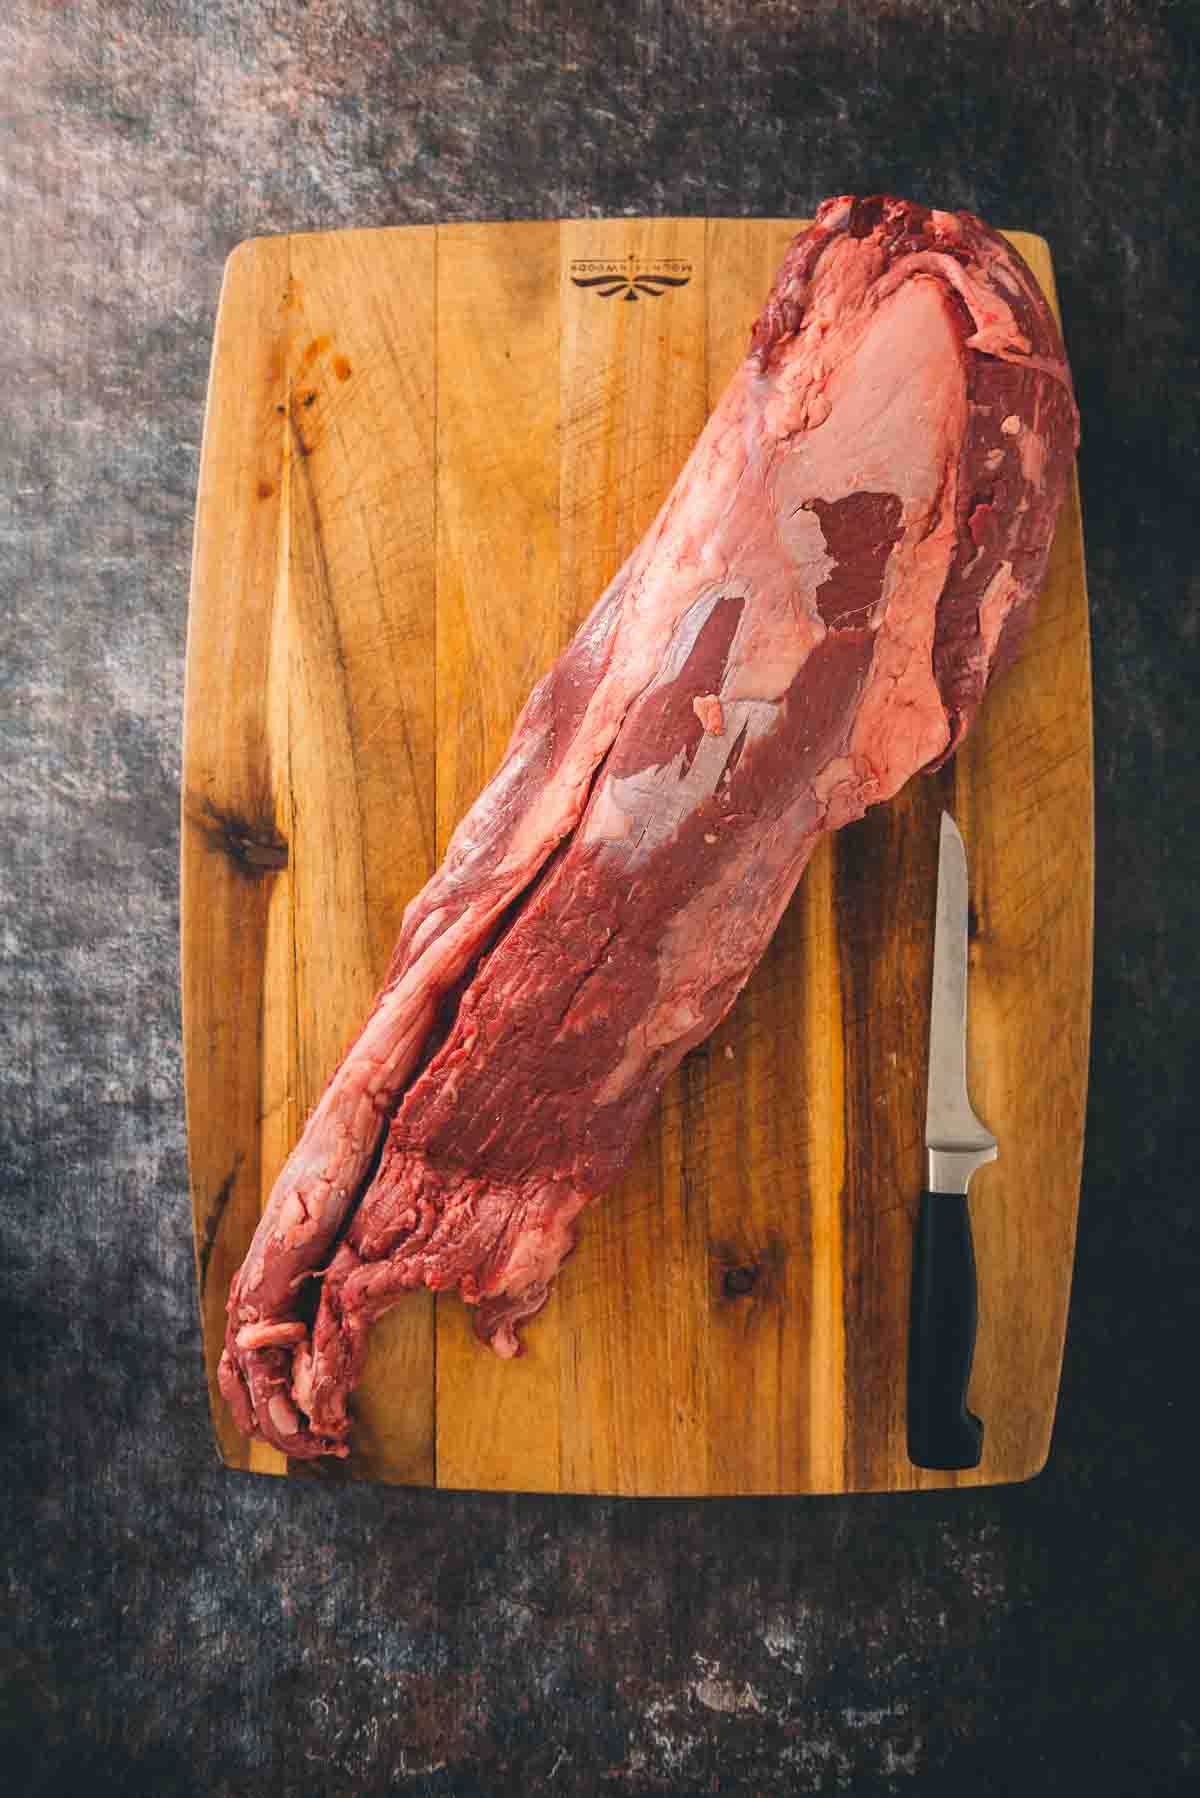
(942, 1432)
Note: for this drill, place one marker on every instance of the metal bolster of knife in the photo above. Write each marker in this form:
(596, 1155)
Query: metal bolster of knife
(952, 1164)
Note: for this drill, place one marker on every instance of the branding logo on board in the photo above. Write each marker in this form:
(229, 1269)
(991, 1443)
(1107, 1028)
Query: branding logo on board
(631, 277)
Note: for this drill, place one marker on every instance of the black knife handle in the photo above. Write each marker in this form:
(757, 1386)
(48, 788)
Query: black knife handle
(942, 1433)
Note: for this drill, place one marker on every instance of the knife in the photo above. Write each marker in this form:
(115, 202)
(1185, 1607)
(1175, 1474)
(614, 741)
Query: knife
(942, 1432)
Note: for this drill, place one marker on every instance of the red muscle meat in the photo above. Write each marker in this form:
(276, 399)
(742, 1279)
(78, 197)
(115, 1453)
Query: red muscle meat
(847, 558)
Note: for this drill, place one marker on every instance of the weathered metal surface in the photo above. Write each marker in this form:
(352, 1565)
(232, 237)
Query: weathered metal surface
(175, 1626)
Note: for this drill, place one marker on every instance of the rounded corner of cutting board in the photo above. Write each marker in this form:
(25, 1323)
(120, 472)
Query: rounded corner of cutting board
(250, 252)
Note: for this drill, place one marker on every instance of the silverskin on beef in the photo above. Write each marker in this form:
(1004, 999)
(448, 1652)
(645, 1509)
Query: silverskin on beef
(848, 557)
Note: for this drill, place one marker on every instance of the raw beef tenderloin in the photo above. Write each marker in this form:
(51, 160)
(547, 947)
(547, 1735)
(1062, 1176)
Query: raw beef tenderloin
(847, 558)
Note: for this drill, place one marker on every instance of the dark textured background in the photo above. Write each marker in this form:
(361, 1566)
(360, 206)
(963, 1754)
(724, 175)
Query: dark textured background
(176, 1629)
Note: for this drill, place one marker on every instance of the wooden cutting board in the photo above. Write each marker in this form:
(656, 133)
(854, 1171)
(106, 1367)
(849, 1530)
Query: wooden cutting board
(426, 452)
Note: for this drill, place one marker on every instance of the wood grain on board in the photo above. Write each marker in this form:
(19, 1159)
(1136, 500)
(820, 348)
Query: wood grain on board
(426, 452)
